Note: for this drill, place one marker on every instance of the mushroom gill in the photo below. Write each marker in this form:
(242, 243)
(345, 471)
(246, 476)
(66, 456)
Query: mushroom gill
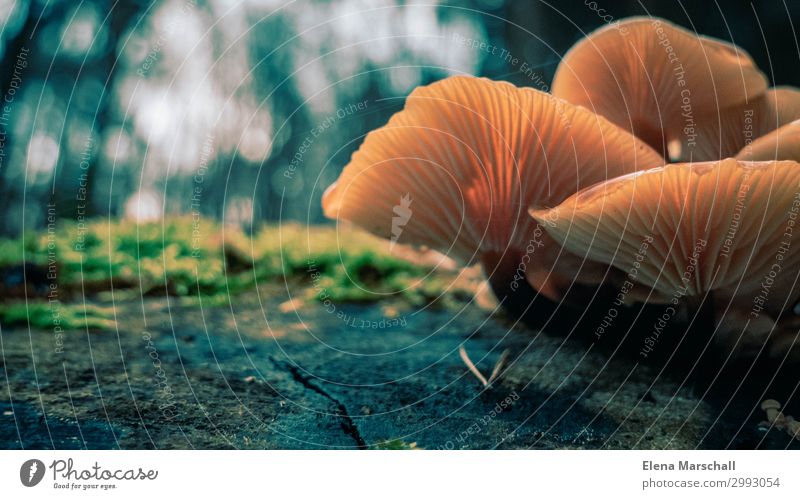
(458, 168)
(662, 82)
(685, 230)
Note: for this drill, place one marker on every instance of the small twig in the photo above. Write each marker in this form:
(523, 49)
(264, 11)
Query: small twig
(498, 367)
(474, 370)
(496, 372)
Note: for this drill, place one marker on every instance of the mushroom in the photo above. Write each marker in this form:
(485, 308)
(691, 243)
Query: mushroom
(687, 230)
(783, 143)
(668, 86)
(775, 418)
(773, 409)
(739, 127)
(457, 169)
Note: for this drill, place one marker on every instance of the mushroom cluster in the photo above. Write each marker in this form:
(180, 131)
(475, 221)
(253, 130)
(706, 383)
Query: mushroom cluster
(660, 170)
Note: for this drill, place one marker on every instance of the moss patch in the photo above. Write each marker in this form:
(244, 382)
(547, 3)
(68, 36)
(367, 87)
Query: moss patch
(44, 315)
(200, 259)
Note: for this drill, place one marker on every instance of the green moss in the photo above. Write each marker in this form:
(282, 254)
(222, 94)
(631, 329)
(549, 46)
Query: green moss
(191, 258)
(45, 315)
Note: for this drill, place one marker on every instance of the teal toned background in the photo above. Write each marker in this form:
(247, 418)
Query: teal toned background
(234, 315)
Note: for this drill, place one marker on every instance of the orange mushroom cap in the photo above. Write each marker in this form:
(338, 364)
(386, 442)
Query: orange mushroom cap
(660, 81)
(737, 127)
(457, 169)
(781, 144)
(688, 229)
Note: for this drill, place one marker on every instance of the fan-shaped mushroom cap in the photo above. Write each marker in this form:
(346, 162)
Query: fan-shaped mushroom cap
(724, 225)
(737, 127)
(658, 80)
(785, 102)
(457, 169)
(783, 143)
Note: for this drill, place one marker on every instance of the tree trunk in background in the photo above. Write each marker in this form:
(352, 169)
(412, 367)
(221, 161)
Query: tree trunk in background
(123, 13)
(13, 46)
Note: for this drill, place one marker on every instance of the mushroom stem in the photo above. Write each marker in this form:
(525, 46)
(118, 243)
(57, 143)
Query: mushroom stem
(513, 292)
(702, 319)
(703, 323)
(507, 278)
(506, 275)
(773, 410)
(777, 419)
(705, 318)
(695, 338)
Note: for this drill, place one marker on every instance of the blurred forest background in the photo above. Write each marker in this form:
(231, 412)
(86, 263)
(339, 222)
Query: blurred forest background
(244, 111)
